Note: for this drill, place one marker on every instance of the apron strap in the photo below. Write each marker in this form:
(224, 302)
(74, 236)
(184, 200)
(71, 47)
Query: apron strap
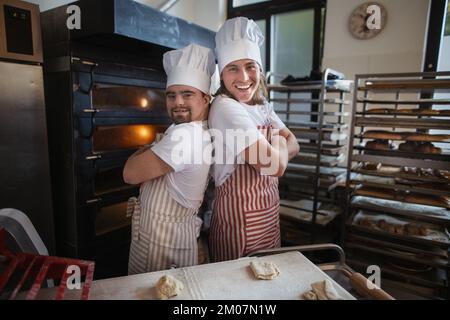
(134, 211)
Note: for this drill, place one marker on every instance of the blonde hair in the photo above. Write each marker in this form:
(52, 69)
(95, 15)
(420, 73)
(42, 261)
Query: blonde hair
(261, 94)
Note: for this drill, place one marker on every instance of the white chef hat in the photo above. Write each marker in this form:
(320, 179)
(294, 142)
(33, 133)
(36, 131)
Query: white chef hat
(238, 38)
(192, 66)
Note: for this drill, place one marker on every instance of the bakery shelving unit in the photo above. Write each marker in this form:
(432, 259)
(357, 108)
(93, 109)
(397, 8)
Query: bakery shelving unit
(314, 111)
(398, 186)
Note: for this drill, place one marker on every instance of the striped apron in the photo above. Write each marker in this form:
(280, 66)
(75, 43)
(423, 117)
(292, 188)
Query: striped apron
(245, 214)
(164, 233)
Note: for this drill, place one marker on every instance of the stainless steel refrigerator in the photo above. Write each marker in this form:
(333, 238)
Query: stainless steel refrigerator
(24, 160)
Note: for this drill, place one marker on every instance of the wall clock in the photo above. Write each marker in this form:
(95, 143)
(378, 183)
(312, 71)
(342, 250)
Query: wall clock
(367, 20)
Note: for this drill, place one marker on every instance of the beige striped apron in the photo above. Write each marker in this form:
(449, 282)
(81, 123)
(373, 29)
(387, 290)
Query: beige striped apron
(164, 233)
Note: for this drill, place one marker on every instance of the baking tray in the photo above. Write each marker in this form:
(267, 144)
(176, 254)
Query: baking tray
(307, 183)
(326, 149)
(412, 210)
(314, 113)
(404, 101)
(399, 186)
(424, 123)
(435, 279)
(301, 211)
(434, 253)
(331, 86)
(393, 161)
(306, 100)
(389, 194)
(443, 242)
(313, 134)
(404, 136)
(311, 159)
(293, 125)
(444, 156)
(426, 261)
(416, 85)
(400, 174)
(310, 170)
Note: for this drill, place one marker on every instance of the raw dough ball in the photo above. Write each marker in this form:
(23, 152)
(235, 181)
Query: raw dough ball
(168, 286)
(322, 290)
(265, 270)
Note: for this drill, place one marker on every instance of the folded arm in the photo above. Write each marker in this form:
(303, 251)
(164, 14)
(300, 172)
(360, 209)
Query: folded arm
(269, 159)
(291, 140)
(144, 165)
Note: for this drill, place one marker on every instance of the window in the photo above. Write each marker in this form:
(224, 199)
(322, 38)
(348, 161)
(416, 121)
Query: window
(293, 33)
(239, 3)
(447, 23)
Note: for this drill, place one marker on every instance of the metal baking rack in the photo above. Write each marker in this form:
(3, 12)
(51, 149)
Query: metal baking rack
(423, 263)
(314, 111)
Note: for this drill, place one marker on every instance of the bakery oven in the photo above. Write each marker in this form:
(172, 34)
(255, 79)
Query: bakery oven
(105, 99)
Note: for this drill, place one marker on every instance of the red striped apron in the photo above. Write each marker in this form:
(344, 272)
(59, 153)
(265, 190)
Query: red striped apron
(245, 214)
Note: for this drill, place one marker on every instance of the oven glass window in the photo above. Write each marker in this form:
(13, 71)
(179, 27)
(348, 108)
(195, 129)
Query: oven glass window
(121, 137)
(107, 97)
(110, 180)
(111, 218)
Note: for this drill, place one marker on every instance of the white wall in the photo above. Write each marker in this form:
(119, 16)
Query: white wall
(398, 48)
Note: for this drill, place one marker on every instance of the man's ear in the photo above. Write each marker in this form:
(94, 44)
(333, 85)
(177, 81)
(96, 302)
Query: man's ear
(207, 98)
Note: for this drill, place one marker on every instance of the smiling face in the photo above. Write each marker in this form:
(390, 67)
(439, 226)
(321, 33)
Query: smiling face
(241, 78)
(186, 104)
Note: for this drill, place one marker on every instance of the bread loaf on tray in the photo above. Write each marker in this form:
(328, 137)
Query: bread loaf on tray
(407, 136)
(422, 147)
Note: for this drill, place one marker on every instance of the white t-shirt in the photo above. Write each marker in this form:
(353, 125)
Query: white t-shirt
(225, 116)
(187, 149)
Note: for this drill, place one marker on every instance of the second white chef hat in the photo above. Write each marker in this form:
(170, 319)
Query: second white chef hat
(238, 38)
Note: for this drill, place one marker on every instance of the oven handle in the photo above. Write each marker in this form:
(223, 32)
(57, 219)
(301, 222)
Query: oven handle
(93, 157)
(95, 200)
(91, 111)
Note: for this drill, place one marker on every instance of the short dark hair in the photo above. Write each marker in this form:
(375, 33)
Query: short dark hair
(261, 95)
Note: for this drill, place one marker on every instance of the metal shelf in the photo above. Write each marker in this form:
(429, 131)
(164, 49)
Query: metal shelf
(402, 204)
(311, 182)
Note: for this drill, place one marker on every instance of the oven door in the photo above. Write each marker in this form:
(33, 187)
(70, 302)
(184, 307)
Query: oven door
(107, 241)
(106, 138)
